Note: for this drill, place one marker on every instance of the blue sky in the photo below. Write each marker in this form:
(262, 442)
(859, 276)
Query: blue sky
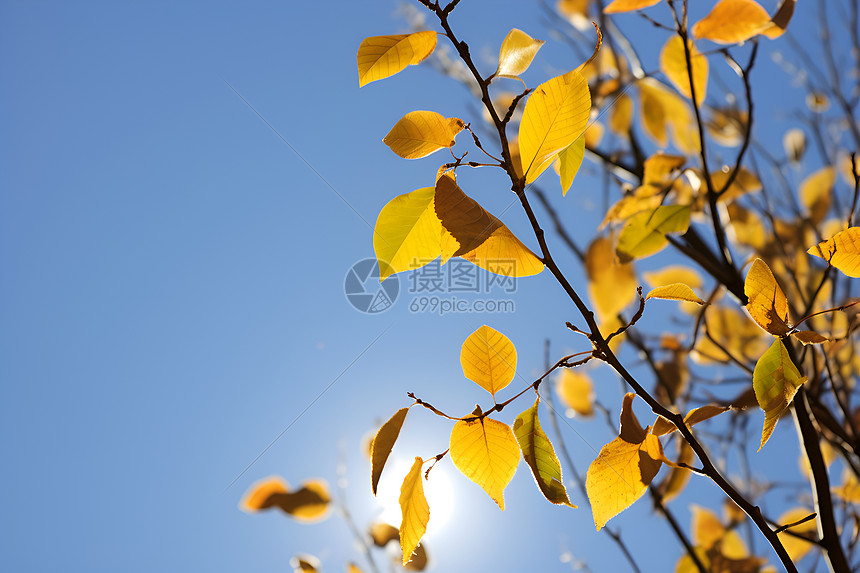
(172, 291)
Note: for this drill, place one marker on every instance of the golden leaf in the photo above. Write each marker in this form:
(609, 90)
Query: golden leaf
(576, 392)
(407, 233)
(745, 182)
(540, 456)
(621, 115)
(798, 548)
(659, 167)
(382, 533)
(489, 359)
(516, 54)
(555, 115)
(734, 332)
(623, 469)
(674, 274)
(815, 193)
(486, 452)
(673, 63)
(672, 486)
(842, 251)
(707, 530)
(645, 233)
(775, 381)
(767, 304)
(676, 291)
(732, 21)
(570, 160)
(850, 488)
(415, 511)
(420, 133)
(382, 443)
(611, 286)
(307, 504)
(380, 57)
(661, 108)
(628, 5)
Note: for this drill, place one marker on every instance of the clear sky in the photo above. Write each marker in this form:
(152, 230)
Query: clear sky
(172, 289)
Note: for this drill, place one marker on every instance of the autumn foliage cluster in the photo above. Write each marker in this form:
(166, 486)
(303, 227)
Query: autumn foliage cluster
(763, 284)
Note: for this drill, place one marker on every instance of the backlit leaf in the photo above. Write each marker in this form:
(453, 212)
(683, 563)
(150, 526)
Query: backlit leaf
(540, 456)
(516, 54)
(645, 233)
(420, 133)
(382, 56)
(662, 426)
(309, 503)
(808, 337)
(662, 108)
(479, 237)
(621, 115)
(679, 476)
(570, 160)
(407, 233)
(384, 440)
(676, 291)
(798, 548)
(611, 285)
(576, 392)
(673, 63)
(382, 533)
(623, 469)
(415, 511)
(815, 193)
(673, 274)
(842, 251)
(707, 531)
(732, 21)
(767, 305)
(744, 182)
(775, 381)
(555, 115)
(489, 359)
(486, 452)
(849, 491)
(628, 5)
(659, 167)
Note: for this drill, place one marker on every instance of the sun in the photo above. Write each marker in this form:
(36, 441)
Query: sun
(439, 490)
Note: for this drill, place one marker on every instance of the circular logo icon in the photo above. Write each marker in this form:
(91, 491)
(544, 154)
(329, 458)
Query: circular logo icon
(364, 291)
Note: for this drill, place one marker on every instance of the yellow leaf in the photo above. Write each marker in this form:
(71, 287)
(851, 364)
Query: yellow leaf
(673, 63)
(415, 511)
(309, 503)
(555, 115)
(850, 488)
(815, 192)
(745, 182)
(380, 57)
(673, 274)
(420, 133)
(797, 548)
(732, 21)
(661, 108)
(353, 568)
(808, 337)
(479, 237)
(540, 456)
(489, 359)
(842, 251)
(628, 5)
(659, 167)
(775, 381)
(676, 291)
(407, 234)
(516, 54)
(382, 443)
(503, 254)
(621, 115)
(645, 233)
(746, 226)
(611, 286)
(767, 305)
(487, 453)
(576, 391)
(677, 479)
(734, 332)
(382, 533)
(623, 469)
(703, 413)
(570, 160)
(707, 530)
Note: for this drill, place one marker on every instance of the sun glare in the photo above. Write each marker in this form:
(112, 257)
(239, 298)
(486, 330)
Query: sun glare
(439, 491)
